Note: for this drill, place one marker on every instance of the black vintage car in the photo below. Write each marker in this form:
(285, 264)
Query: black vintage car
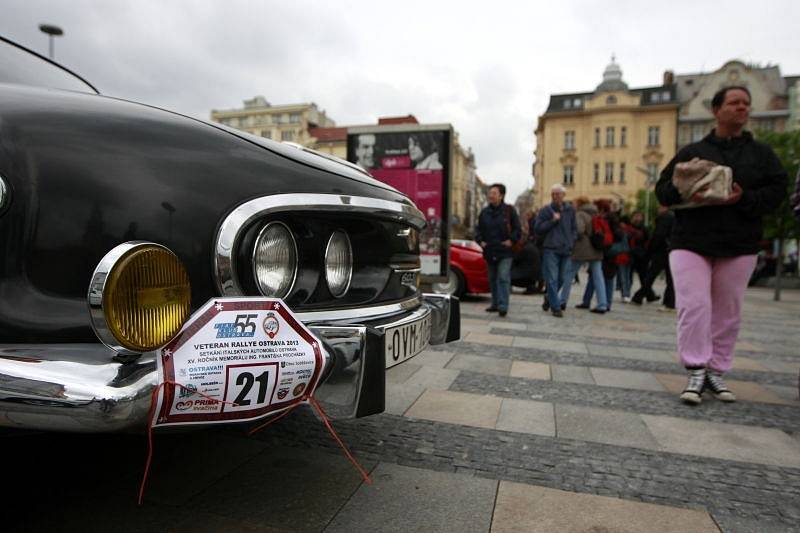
(118, 220)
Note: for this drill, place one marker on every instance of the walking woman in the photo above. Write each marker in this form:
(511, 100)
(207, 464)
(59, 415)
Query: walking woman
(714, 245)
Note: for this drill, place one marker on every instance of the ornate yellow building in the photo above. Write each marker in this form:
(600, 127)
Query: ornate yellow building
(608, 143)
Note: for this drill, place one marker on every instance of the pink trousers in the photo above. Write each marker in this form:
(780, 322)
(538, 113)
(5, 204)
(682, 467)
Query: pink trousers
(709, 292)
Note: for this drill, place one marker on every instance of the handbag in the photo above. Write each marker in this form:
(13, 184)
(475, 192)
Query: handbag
(516, 247)
(692, 176)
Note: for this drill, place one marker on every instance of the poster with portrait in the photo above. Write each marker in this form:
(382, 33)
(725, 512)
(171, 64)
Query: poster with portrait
(415, 162)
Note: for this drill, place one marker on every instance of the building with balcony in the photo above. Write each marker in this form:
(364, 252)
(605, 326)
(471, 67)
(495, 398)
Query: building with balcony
(606, 143)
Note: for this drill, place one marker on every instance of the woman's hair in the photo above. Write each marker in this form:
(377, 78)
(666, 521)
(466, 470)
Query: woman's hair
(581, 200)
(603, 206)
(719, 96)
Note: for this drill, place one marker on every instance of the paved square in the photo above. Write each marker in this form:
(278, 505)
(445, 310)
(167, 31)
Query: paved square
(457, 408)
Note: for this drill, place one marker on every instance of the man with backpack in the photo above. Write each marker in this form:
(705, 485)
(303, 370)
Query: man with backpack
(589, 249)
(556, 222)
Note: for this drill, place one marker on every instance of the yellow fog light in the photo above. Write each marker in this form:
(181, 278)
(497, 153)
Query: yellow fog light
(139, 297)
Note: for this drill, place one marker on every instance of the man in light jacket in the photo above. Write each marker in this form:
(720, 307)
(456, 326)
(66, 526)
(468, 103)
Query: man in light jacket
(556, 222)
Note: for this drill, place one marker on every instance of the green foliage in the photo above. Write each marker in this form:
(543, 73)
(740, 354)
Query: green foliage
(781, 224)
(647, 205)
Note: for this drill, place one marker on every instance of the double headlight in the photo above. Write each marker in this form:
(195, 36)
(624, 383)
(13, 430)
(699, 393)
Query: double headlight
(275, 261)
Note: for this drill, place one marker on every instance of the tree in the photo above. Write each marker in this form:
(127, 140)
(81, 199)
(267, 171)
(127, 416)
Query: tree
(781, 224)
(648, 206)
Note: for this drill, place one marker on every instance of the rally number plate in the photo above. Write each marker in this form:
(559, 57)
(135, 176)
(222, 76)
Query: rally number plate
(404, 342)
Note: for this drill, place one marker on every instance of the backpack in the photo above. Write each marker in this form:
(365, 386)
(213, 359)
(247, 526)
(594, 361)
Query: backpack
(601, 237)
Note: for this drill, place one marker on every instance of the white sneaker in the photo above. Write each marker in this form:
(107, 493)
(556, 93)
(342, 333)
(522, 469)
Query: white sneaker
(665, 309)
(626, 299)
(693, 392)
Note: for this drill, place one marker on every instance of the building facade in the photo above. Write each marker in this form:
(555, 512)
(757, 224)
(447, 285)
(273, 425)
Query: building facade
(291, 122)
(608, 143)
(771, 105)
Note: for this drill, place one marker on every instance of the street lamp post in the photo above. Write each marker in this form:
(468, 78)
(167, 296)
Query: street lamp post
(51, 31)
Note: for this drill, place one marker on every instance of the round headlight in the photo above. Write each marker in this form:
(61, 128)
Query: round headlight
(139, 297)
(338, 263)
(275, 260)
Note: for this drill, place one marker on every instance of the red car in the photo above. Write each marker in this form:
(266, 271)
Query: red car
(468, 272)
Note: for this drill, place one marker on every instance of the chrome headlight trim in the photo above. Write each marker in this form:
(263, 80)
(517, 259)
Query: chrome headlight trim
(258, 241)
(5, 194)
(343, 290)
(244, 215)
(94, 297)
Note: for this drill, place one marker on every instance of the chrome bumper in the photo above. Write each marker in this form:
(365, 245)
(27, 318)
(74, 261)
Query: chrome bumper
(81, 387)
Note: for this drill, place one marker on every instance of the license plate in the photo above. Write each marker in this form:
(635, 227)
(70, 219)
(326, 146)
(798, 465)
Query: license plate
(404, 342)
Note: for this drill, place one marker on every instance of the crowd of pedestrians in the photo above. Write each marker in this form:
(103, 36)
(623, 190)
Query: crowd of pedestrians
(703, 240)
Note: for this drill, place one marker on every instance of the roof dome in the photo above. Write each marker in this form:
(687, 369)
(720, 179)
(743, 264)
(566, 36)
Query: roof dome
(612, 78)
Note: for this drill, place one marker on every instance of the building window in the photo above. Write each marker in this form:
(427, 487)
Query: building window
(576, 103)
(597, 137)
(567, 103)
(569, 175)
(294, 118)
(611, 100)
(622, 173)
(596, 174)
(766, 125)
(266, 134)
(698, 132)
(652, 173)
(655, 97)
(609, 173)
(569, 140)
(287, 135)
(665, 97)
(276, 119)
(623, 136)
(610, 136)
(653, 133)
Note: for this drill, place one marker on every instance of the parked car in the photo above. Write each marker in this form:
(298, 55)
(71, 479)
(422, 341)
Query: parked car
(98, 192)
(468, 273)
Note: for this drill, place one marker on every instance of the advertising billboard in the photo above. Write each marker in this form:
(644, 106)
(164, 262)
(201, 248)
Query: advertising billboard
(414, 159)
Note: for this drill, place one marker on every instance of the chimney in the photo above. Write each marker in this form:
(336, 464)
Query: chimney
(669, 77)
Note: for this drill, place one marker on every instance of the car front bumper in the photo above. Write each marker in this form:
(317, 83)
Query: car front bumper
(83, 388)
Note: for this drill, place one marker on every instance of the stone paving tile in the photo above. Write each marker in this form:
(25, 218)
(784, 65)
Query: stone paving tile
(519, 326)
(542, 510)
(272, 489)
(400, 373)
(429, 377)
(603, 425)
(746, 363)
(399, 397)
(784, 417)
(601, 361)
(549, 344)
(724, 441)
(572, 374)
(528, 370)
(432, 357)
(745, 490)
(478, 363)
(457, 408)
(734, 524)
(780, 366)
(486, 338)
(523, 416)
(624, 352)
(789, 394)
(745, 391)
(626, 379)
(413, 499)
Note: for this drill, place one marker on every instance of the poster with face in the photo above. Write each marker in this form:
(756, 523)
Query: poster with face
(414, 163)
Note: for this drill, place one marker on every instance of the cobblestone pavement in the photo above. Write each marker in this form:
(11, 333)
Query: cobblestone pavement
(530, 423)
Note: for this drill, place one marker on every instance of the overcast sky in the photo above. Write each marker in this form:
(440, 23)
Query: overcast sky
(487, 67)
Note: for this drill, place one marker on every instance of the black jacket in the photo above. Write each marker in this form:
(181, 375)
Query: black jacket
(659, 242)
(493, 228)
(726, 230)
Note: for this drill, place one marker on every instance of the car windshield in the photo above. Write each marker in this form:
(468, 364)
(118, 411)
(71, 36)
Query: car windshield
(21, 66)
